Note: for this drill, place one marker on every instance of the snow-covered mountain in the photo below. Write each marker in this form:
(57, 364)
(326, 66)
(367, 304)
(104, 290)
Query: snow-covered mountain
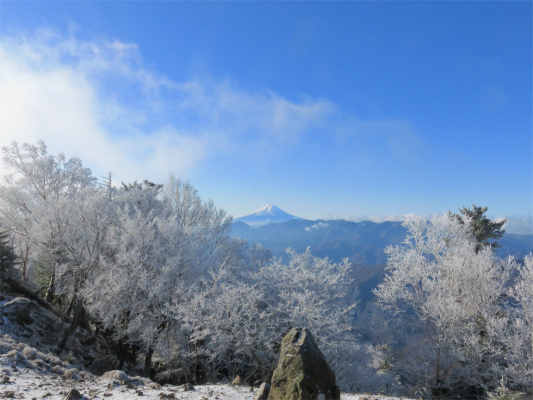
(266, 215)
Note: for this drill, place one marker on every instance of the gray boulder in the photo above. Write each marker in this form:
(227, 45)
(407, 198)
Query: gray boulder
(18, 309)
(71, 374)
(262, 392)
(74, 394)
(302, 372)
(116, 375)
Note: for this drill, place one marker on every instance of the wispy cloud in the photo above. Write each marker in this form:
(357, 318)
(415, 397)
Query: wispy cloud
(96, 98)
(378, 218)
(316, 226)
(74, 95)
(519, 224)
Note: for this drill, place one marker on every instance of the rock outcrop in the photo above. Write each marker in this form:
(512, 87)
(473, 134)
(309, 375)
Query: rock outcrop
(74, 394)
(302, 372)
(262, 392)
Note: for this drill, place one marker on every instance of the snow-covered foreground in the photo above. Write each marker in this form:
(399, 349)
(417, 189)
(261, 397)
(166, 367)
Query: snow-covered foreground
(23, 383)
(31, 368)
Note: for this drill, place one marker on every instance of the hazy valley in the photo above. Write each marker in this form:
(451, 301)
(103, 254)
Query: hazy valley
(363, 243)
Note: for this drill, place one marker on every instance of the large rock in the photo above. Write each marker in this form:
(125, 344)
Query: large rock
(116, 375)
(71, 374)
(262, 392)
(20, 309)
(74, 394)
(302, 372)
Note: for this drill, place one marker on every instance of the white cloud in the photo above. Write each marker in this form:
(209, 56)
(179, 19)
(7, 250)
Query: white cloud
(520, 224)
(54, 89)
(379, 218)
(96, 99)
(317, 226)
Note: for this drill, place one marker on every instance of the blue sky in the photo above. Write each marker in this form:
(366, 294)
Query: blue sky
(351, 110)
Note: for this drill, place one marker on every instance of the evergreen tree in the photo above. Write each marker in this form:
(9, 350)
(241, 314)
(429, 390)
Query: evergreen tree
(145, 184)
(7, 256)
(481, 227)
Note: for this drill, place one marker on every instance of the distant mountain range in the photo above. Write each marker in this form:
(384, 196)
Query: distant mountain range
(363, 243)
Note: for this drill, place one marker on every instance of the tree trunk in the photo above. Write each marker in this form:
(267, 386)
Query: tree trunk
(78, 308)
(50, 291)
(25, 264)
(123, 349)
(70, 305)
(436, 392)
(148, 362)
(85, 321)
(97, 329)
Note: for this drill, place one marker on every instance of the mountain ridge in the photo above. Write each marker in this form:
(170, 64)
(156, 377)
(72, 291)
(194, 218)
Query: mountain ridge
(363, 243)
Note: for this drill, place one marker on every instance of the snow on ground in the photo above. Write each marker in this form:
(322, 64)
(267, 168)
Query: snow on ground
(29, 369)
(23, 383)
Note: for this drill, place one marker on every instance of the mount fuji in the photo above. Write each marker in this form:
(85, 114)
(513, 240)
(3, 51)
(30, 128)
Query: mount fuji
(268, 214)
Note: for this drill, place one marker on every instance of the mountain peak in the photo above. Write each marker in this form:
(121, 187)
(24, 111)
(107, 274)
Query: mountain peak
(268, 209)
(266, 215)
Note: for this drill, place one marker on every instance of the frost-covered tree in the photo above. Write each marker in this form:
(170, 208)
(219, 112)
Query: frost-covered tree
(316, 293)
(123, 294)
(158, 247)
(59, 218)
(520, 341)
(312, 292)
(36, 180)
(79, 226)
(229, 327)
(449, 296)
(235, 317)
(199, 228)
(44, 175)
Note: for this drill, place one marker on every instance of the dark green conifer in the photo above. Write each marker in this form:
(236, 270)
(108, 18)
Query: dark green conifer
(8, 258)
(482, 228)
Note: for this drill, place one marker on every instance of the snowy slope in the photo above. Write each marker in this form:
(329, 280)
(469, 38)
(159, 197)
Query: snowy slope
(24, 383)
(28, 372)
(266, 215)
